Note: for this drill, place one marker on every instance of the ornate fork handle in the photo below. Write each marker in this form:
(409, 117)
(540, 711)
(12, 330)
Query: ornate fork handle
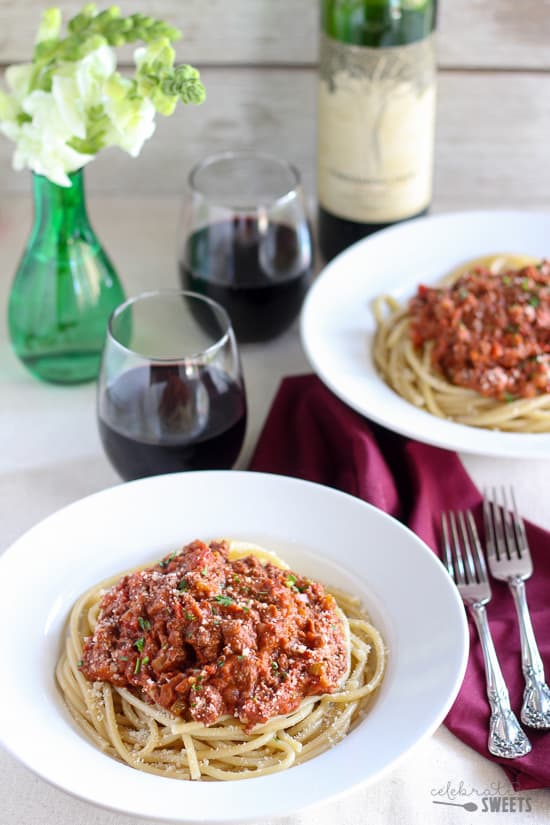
(535, 710)
(506, 738)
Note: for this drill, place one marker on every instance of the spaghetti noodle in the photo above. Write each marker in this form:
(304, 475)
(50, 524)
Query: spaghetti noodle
(503, 378)
(124, 722)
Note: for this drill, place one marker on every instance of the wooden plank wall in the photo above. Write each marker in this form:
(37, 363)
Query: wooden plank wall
(258, 59)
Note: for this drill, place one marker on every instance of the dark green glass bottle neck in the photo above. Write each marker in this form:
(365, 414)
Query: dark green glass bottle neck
(378, 23)
(60, 208)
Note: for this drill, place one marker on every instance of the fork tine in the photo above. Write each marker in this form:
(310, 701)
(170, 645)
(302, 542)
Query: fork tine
(470, 565)
(479, 558)
(501, 549)
(460, 575)
(447, 557)
(490, 537)
(511, 543)
(519, 528)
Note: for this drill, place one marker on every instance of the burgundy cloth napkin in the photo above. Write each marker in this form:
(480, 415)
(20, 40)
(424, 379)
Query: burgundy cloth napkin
(310, 434)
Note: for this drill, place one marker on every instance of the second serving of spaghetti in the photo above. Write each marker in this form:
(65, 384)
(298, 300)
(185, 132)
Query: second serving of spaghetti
(476, 348)
(218, 662)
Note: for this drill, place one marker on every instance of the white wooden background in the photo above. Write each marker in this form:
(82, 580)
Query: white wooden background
(258, 59)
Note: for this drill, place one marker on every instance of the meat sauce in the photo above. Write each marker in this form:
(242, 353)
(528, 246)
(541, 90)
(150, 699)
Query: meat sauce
(204, 636)
(490, 332)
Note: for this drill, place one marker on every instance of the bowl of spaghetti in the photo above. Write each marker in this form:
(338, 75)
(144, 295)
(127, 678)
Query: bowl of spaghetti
(476, 348)
(439, 329)
(223, 647)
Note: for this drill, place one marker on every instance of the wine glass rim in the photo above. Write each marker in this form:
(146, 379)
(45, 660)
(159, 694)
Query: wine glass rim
(174, 292)
(242, 154)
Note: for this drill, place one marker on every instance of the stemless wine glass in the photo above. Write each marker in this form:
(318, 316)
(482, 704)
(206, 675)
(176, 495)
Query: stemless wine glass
(171, 393)
(247, 241)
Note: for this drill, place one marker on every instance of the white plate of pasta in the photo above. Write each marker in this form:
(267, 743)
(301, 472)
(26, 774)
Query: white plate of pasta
(292, 547)
(374, 351)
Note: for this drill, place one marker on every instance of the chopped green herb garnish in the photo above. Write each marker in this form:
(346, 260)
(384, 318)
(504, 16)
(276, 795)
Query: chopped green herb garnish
(123, 658)
(526, 285)
(217, 622)
(506, 280)
(225, 600)
(245, 608)
(274, 666)
(508, 397)
(196, 687)
(463, 293)
(183, 585)
(145, 624)
(79, 663)
(165, 562)
(145, 660)
(204, 571)
(139, 644)
(511, 328)
(190, 617)
(236, 579)
(240, 658)
(534, 300)
(291, 580)
(220, 662)
(138, 666)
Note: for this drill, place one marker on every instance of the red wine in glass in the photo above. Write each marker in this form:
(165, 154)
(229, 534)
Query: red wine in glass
(171, 394)
(259, 276)
(247, 243)
(157, 420)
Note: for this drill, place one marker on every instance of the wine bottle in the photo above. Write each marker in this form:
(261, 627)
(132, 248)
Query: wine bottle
(376, 116)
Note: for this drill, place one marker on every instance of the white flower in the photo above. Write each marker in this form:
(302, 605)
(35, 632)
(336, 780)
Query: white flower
(18, 79)
(92, 72)
(70, 109)
(132, 120)
(70, 102)
(42, 143)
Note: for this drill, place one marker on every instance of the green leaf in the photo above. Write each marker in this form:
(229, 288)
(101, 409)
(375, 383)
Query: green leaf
(225, 600)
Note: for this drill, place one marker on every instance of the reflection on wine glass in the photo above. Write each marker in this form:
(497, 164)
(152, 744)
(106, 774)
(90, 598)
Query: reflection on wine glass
(171, 394)
(247, 241)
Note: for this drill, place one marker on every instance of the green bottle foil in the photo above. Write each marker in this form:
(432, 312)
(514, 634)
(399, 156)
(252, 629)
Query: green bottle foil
(64, 289)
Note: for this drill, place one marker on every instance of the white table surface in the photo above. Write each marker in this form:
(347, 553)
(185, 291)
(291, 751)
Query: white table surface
(50, 455)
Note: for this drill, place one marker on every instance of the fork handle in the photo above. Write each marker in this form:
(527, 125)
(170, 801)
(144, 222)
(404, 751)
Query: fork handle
(506, 738)
(535, 710)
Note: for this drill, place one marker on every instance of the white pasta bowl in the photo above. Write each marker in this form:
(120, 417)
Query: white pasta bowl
(338, 324)
(321, 533)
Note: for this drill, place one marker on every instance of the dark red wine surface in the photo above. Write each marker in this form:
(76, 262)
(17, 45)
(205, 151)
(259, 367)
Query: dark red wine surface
(260, 275)
(155, 420)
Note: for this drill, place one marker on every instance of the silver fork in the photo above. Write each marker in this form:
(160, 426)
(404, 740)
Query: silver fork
(510, 561)
(466, 564)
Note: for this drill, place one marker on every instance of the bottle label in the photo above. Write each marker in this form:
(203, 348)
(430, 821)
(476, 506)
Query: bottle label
(376, 123)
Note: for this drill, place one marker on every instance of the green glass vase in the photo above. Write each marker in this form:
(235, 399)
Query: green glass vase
(64, 289)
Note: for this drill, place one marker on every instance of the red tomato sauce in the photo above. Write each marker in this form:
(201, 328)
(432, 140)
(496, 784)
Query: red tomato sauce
(490, 332)
(204, 636)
